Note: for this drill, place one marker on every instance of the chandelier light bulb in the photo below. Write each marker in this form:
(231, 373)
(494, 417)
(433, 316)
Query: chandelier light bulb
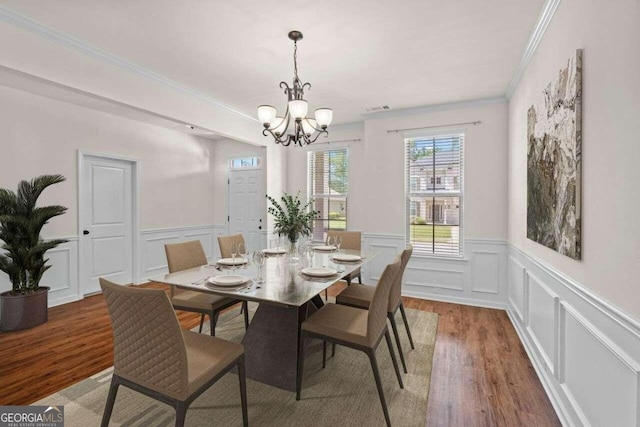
(308, 126)
(278, 126)
(298, 108)
(266, 114)
(324, 116)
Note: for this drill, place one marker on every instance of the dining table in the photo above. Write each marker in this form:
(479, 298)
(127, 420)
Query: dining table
(289, 292)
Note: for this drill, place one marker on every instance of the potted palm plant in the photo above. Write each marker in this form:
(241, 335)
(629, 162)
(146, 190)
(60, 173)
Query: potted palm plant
(21, 222)
(292, 219)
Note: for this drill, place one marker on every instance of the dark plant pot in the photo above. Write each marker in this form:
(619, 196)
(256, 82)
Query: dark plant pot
(19, 312)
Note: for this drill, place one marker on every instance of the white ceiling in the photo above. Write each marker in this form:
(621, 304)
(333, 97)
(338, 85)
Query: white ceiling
(357, 54)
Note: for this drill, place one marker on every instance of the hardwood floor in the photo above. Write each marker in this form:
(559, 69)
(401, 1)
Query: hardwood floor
(481, 374)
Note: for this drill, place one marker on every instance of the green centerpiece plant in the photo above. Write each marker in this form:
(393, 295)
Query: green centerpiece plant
(292, 218)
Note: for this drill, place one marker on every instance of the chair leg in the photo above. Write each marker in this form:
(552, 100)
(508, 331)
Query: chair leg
(213, 319)
(181, 413)
(300, 366)
(201, 323)
(243, 392)
(360, 278)
(333, 349)
(394, 326)
(245, 307)
(393, 357)
(324, 354)
(348, 280)
(376, 374)
(111, 399)
(326, 294)
(406, 324)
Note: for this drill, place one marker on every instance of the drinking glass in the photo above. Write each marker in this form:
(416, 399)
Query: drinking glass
(234, 254)
(259, 259)
(338, 242)
(242, 250)
(331, 241)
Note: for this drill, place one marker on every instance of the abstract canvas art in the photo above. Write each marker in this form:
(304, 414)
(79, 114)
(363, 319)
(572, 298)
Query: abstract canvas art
(554, 151)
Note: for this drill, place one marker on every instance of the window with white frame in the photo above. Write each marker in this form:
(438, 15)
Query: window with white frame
(328, 188)
(434, 210)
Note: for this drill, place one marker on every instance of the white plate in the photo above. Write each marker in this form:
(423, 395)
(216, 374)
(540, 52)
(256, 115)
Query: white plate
(274, 251)
(319, 271)
(347, 257)
(231, 261)
(324, 248)
(228, 280)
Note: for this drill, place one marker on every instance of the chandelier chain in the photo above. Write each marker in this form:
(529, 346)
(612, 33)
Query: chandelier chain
(295, 59)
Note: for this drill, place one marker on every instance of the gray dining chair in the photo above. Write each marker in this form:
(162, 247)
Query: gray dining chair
(355, 328)
(361, 296)
(155, 357)
(183, 256)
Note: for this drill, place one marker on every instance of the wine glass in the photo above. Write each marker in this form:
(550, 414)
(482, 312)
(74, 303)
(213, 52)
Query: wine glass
(331, 242)
(243, 251)
(234, 254)
(259, 259)
(338, 242)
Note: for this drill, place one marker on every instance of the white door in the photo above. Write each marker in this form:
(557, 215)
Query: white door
(106, 221)
(247, 207)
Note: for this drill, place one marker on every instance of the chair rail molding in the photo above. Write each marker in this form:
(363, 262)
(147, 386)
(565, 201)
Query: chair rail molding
(585, 350)
(479, 278)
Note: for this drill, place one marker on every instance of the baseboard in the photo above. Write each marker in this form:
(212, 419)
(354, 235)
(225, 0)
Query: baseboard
(455, 300)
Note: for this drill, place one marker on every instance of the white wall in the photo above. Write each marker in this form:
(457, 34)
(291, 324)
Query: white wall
(579, 320)
(376, 170)
(608, 33)
(376, 201)
(40, 135)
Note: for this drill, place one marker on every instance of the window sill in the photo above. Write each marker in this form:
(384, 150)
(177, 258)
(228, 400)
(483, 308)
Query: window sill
(459, 259)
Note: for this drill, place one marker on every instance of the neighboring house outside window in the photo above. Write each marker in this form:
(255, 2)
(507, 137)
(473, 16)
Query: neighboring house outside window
(434, 210)
(328, 188)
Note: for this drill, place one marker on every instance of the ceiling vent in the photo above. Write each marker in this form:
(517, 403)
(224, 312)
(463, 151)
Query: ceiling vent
(375, 109)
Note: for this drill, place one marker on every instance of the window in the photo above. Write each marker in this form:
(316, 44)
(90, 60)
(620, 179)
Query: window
(244, 162)
(434, 212)
(327, 186)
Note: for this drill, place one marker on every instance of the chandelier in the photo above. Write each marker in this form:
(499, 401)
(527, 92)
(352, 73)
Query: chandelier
(305, 130)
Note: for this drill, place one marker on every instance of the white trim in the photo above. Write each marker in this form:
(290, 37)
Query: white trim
(434, 108)
(598, 302)
(455, 300)
(11, 17)
(544, 19)
(135, 210)
(178, 229)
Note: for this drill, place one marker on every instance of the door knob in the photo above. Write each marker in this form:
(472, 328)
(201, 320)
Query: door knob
(259, 227)
(85, 232)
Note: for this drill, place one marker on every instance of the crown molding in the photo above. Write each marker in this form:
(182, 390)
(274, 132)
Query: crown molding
(544, 20)
(13, 18)
(433, 108)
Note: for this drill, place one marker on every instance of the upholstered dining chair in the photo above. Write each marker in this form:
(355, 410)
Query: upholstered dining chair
(154, 356)
(355, 328)
(183, 256)
(226, 242)
(361, 296)
(350, 240)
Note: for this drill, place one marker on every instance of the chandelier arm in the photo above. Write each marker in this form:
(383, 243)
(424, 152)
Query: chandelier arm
(321, 132)
(286, 88)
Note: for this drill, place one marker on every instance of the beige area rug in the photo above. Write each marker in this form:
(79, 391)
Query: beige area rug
(342, 394)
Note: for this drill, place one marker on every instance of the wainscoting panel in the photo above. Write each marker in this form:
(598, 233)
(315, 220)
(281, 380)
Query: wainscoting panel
(585, 351)
(517, 287)
(542, 319)
(62, 277)
(153, 259)
(479, 278)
